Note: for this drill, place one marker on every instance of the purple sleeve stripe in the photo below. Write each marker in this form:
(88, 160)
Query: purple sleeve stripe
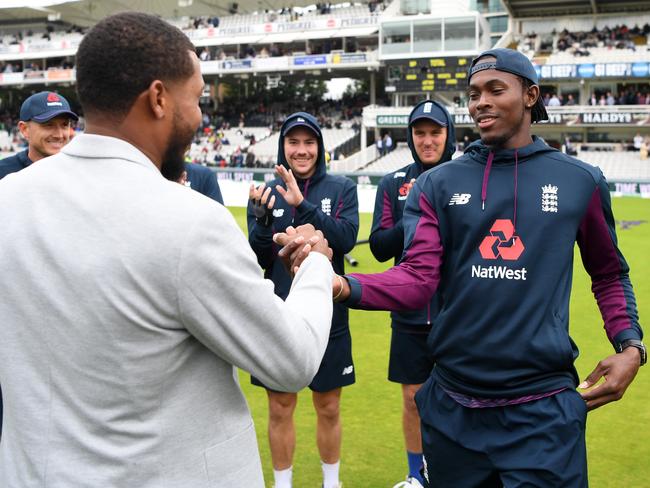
(338, 209)
(410, 285)
(601, 261)
(387, 221)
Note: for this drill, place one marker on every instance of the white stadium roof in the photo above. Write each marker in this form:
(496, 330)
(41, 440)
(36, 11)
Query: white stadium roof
(89, 12)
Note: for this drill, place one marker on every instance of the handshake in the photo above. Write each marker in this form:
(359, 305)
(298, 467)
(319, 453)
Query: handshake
(297, 243)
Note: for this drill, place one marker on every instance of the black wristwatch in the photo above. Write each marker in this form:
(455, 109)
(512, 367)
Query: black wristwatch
(635, 343)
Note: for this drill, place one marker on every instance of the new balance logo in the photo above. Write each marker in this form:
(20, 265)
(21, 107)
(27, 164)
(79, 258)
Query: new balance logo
(278, 212)
(460, 198)
(348, 370)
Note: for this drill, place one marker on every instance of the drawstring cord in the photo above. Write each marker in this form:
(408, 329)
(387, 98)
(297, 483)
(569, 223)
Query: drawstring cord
(514, 217)
(486, 176)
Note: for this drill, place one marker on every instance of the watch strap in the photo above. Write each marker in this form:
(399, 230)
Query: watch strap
(637, 344)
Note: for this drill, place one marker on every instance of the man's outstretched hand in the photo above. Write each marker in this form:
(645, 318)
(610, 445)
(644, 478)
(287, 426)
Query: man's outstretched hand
(298, 242)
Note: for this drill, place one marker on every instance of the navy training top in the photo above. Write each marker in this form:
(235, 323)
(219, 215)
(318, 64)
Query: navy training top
(494, 234)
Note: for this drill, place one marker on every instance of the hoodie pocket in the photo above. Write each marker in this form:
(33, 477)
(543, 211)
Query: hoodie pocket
(562, 341)
(235, 461)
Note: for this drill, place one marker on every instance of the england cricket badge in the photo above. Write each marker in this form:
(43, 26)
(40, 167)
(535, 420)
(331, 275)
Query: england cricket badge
(326, 206)
(549, 198)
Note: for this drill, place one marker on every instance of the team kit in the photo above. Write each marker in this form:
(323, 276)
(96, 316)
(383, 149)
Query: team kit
(482, 249)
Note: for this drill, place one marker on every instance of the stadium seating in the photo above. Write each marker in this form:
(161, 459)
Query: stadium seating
(618, 165)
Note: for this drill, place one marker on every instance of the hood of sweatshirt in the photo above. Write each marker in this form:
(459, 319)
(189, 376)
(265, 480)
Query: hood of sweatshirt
(437, 110)
(305, 120)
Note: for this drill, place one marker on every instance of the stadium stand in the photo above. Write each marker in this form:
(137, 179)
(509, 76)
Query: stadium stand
(253, 53)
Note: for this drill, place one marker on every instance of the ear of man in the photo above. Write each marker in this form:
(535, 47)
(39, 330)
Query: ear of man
(532, 93)
(157, 99)
(23, 127)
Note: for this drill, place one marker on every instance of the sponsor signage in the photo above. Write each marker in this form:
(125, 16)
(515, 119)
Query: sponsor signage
(322, 23)
(392, 120)
(237, 64)
(595, 118)
(341, 58)
(593, 70)
(310, 60)
(630, 189)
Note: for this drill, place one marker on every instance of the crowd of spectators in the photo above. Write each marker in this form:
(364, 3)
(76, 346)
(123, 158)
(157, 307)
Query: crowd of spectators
(623, 97)
(629, 96)
(14, 36)
(579, 43)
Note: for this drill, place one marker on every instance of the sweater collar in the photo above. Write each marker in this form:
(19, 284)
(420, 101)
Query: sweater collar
(94, 146)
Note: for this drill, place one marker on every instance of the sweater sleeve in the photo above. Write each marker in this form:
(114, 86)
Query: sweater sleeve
(411, 284)
(387, 234)
(226, 304)
(610, 281)
(342, 226)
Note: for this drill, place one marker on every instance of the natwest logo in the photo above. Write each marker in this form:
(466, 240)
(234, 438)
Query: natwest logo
(502, 242)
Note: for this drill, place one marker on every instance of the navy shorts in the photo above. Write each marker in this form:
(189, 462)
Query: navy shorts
(336, 369)
(410, 360)
(539, 443)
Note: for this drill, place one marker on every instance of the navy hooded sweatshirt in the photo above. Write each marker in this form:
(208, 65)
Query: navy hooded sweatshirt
(330, 204)
(494, 234)
(387, 234)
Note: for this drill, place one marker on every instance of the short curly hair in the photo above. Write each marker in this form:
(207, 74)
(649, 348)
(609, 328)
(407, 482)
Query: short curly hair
(122, 55)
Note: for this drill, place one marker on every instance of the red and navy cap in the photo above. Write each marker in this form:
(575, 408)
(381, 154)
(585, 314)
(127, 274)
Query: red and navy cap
(513, 62)
(44, 106)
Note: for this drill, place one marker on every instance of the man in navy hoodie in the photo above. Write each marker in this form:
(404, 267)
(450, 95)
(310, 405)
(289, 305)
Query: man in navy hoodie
(493, 233)
(305, 194)
(431, 138)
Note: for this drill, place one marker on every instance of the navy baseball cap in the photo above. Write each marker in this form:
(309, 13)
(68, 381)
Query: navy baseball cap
(299, 121)
(513, 62)
(44, 106)
(430, 111)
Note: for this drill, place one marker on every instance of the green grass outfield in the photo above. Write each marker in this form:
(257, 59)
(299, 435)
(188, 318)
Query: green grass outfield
(618, 435)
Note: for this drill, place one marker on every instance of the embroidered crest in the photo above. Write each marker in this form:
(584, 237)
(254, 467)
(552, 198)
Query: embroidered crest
(549, 198)
(326, 206)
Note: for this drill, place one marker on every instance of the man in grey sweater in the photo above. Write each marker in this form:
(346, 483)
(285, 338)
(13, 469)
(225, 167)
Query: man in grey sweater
(128, 301)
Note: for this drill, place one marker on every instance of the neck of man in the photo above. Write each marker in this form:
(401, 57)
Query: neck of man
(125, 130)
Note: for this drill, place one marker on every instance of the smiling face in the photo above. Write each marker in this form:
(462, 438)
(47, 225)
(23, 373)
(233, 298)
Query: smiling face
(301, 151)
(501, 107)
(47, 138)
(429, 141)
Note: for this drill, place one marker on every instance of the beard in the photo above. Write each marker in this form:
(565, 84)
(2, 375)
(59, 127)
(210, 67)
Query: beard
(173, 162)
(499, 140)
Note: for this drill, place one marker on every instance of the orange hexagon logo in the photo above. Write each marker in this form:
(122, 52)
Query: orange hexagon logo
(502, 242)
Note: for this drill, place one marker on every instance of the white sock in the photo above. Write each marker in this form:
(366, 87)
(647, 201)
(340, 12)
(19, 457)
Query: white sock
(283, 477)
(331, 474)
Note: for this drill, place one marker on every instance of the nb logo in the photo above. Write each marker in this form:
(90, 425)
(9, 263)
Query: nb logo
(348, 370)
(502, 242)
(460, 198)
(278, 212)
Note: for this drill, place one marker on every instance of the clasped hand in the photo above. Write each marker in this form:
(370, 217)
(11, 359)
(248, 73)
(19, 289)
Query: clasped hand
(298, 242)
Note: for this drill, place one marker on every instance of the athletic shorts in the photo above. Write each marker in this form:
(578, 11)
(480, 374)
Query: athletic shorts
(410, 360)
(336, 369)
(539, 443)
